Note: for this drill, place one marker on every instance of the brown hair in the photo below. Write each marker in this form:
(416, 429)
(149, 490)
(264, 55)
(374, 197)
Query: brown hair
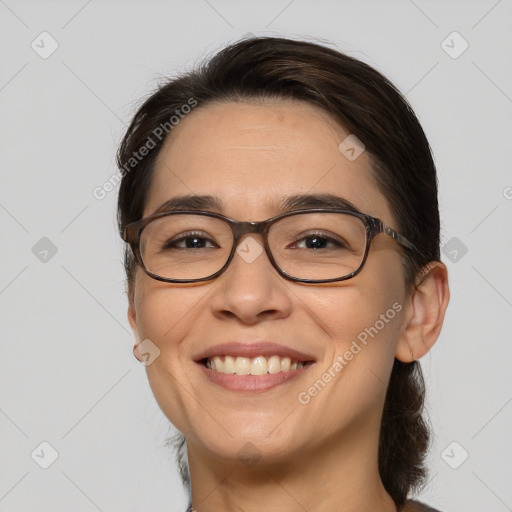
(365, 103)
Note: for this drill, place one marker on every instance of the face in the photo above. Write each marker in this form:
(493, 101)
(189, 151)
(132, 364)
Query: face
(252, 157)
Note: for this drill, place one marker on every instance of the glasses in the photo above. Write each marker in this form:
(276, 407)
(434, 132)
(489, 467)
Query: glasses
(311, 246)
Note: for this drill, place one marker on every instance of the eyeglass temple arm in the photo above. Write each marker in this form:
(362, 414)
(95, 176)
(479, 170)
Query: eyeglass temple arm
(399, 238)
(127, 234)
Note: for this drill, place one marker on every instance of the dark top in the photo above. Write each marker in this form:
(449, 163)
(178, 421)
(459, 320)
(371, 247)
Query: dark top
(416, 506)
(410, 506)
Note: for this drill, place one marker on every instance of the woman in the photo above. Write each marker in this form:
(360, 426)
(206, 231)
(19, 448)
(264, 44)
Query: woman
(279, 205)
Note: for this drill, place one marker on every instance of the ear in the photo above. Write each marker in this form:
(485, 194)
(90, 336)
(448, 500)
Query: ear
(132, 319)
(424, 314)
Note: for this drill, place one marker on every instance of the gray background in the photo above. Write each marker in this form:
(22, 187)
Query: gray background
(67, 373)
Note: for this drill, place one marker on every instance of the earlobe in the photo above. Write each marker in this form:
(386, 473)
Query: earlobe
(424, 313)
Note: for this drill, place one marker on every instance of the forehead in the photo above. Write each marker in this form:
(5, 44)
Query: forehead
(252, 155)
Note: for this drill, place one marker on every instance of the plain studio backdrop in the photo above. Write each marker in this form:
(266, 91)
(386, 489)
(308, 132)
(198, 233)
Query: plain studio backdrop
(73, 398)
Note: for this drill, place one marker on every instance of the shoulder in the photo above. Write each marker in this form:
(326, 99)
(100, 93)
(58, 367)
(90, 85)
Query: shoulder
(416, 506)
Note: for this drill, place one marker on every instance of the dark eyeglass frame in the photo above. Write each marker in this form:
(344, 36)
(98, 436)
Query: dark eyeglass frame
(132, 234)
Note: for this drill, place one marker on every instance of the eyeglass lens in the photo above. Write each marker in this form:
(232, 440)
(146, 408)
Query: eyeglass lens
(312, 246)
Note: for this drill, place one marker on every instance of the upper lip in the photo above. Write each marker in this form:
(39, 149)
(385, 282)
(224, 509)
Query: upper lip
(253, 349)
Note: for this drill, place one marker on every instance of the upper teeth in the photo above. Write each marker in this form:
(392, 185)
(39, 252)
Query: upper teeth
(256, 366)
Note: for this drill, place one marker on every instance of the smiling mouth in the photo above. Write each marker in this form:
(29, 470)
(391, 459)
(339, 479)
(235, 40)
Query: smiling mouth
(259, 365)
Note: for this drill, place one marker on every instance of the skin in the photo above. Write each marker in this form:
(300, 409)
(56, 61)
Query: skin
(322, 455)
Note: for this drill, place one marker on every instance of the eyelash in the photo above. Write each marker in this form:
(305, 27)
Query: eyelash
(184, 237)
(171, 244)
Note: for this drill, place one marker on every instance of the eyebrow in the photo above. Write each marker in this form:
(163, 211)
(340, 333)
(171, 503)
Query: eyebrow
(289, 203)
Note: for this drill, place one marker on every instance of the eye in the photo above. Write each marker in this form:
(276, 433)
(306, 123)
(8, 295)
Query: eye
(192, 240)
(320, 240)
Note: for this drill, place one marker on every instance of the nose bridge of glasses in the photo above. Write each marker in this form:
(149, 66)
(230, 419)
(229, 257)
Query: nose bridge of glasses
(243, 228)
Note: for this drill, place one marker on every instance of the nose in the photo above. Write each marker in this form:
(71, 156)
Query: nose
(251, 289)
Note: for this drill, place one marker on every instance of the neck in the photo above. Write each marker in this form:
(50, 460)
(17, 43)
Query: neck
(338, 476)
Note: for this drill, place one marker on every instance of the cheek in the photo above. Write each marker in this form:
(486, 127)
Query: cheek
(363, 321)
(165, 313)
(350, 384)
(371, 300)
(166, 316)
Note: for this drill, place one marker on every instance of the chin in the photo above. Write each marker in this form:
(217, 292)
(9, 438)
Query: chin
(250, 450)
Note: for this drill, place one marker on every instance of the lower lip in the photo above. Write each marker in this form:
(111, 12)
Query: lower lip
(252, 383)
